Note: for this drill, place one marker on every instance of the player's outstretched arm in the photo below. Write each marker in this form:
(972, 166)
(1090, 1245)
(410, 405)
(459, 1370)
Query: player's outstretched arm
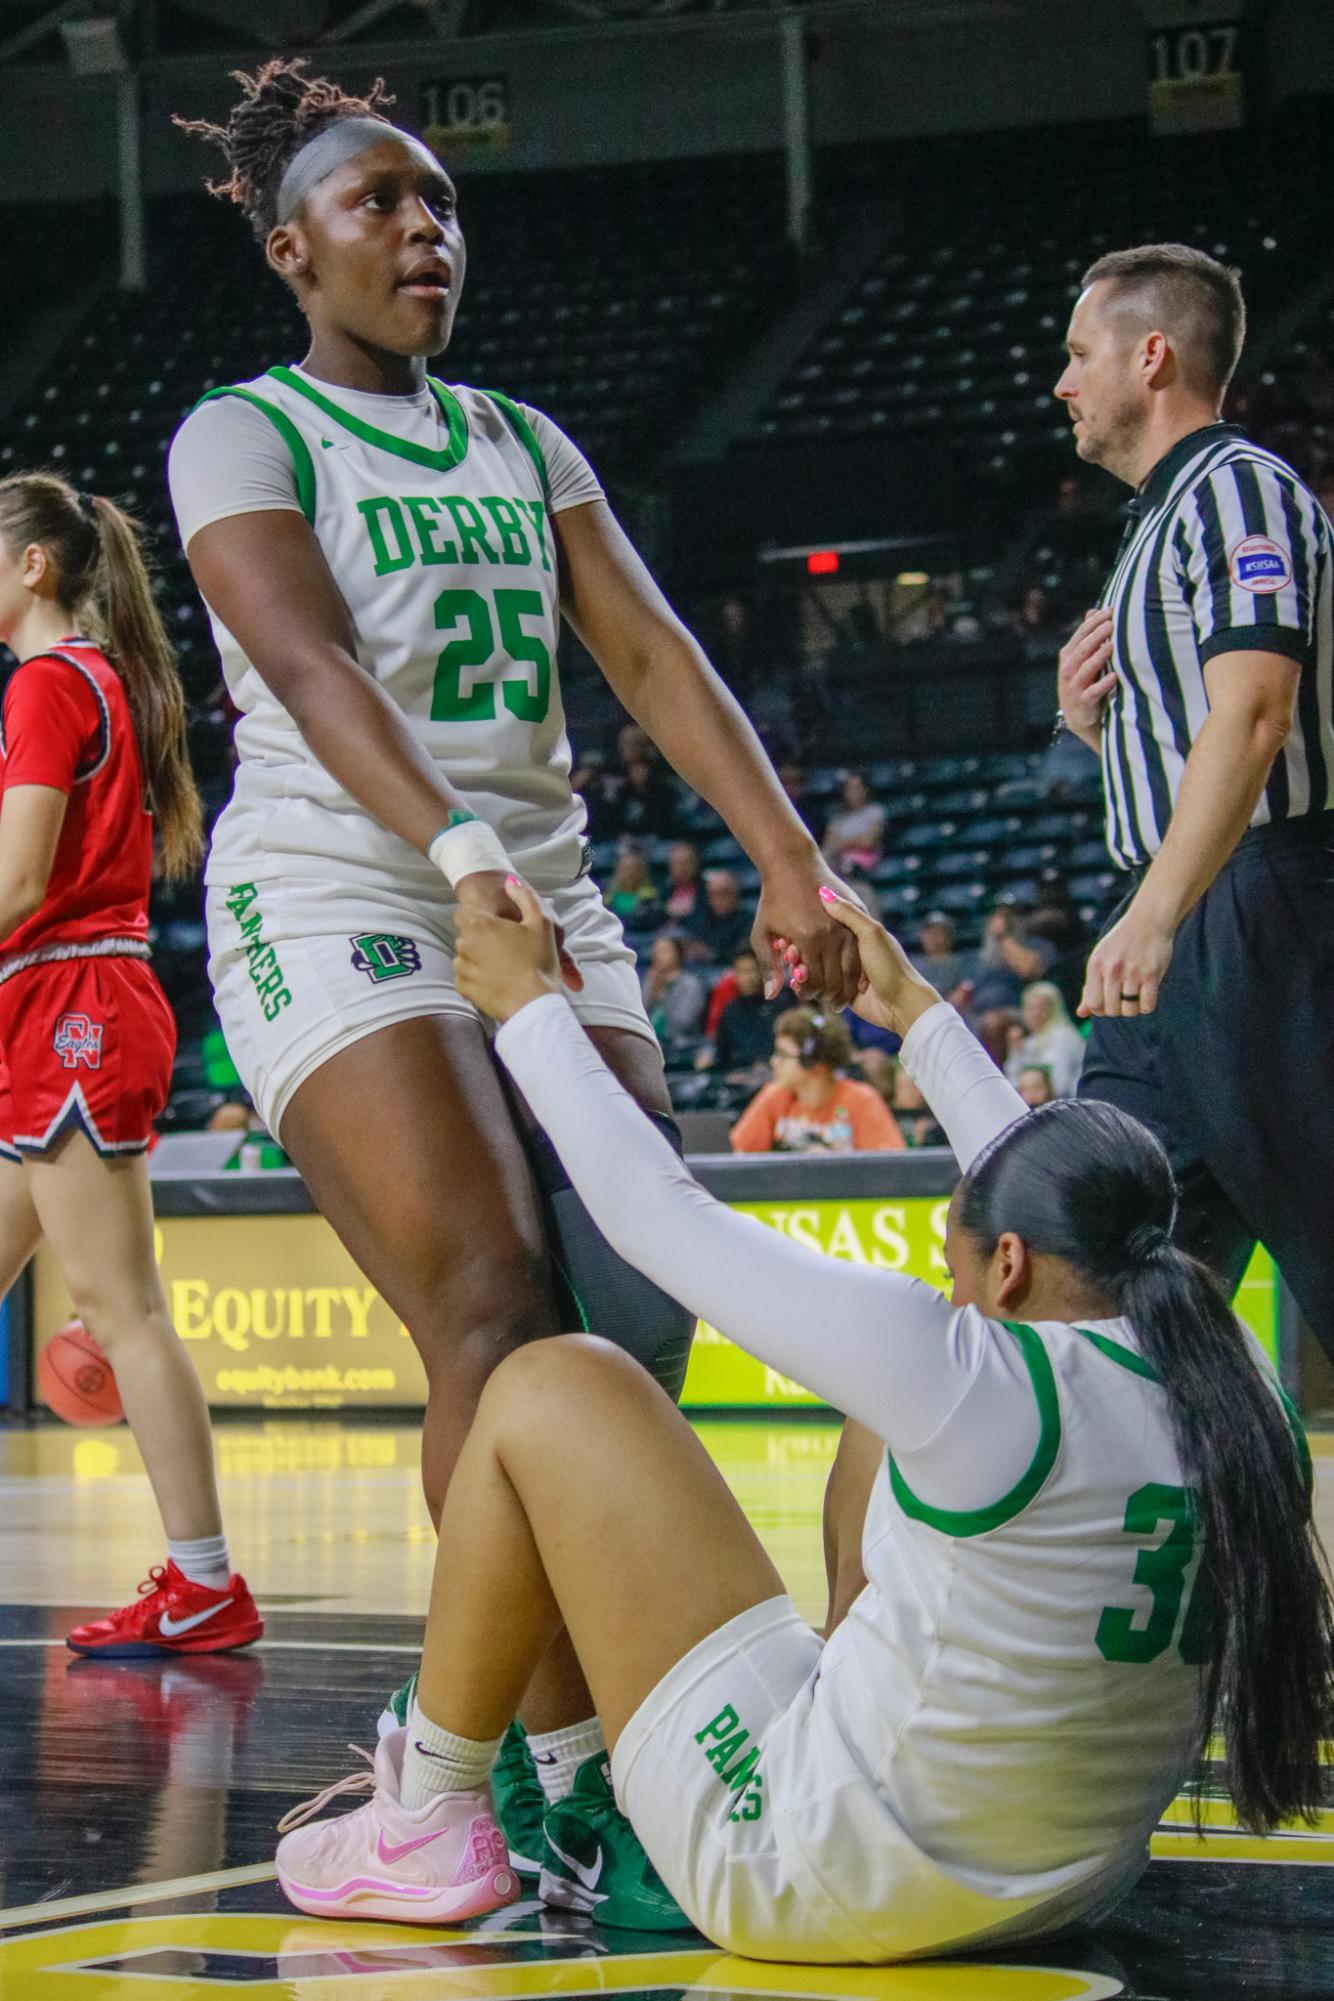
(661, 675)
(875, 1344)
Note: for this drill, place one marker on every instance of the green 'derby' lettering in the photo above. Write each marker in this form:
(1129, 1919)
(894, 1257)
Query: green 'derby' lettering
(429, 529)
(266, 974)
(734, 1763)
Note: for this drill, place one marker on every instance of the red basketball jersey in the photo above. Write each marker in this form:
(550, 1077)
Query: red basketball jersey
(65, 722)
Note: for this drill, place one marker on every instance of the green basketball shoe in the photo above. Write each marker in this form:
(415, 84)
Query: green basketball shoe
(394, 1715)
(516, 1791)
(593, 1861)
(519, 1801)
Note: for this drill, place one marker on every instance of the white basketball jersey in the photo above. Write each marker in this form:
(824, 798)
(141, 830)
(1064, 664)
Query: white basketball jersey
(1029, 1671)
(445, 556)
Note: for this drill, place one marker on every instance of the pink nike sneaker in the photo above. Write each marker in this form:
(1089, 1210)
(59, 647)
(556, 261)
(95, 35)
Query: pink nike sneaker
(173, 1615)
(431, 1865)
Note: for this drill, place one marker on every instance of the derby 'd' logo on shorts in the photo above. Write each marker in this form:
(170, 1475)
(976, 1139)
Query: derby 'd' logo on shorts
(1259, 565)
(385, 957)
(78, 1040)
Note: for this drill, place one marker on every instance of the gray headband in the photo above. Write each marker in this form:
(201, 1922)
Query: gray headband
(337, 143)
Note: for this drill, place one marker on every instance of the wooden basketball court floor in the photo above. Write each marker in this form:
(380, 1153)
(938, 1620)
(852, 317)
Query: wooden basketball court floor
(138, 1800)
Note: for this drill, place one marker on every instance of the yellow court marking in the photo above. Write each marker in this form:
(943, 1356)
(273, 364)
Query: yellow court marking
(1222, 1840)
(1305, 1850)
(315, 1958)
(135, 1893)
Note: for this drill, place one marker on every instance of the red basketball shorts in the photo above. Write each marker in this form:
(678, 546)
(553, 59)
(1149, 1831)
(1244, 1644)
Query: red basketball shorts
(85, 1044)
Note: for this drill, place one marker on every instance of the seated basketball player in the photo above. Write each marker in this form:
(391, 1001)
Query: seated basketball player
(1083, 1513)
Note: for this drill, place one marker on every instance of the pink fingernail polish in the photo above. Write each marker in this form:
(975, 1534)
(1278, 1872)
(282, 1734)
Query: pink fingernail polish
(827, 895)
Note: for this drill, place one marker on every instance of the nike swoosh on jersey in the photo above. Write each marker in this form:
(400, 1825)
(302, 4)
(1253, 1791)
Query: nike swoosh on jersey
(585, 1875)
(169, 1627)
(391, 1851)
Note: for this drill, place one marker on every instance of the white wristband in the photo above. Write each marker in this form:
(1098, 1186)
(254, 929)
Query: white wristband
(467, 848)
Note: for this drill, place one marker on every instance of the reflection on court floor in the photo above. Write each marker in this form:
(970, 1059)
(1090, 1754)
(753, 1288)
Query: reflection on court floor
(138, 1799)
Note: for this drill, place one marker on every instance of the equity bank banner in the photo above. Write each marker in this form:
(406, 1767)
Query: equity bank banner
(277, 1316)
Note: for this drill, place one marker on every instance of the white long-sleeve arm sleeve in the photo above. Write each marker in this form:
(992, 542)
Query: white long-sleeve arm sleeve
(880, 1346)
(963, 1087)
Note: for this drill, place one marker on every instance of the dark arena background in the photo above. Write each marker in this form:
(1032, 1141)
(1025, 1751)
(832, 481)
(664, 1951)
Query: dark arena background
(796, 279)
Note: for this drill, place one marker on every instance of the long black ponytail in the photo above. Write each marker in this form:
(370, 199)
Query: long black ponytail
(1086, 1183)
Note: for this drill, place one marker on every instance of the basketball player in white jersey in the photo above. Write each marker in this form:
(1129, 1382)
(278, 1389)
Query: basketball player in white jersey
(1088, 1541)
(386, 561)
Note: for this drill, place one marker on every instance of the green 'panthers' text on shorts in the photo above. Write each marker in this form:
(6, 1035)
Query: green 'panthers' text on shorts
(736, 1765)
(265, 972)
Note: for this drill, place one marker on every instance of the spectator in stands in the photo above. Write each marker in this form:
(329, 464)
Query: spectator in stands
(792, 778)
(1055, 919)
(1000, 1031)
(1032, 617)
(937, 958)
(733, 646)
(646, 804)
(1033, 1084)
(914, 1117)
(632, 893)
(1050, 1039)
(673, 997)
(682, 899)
(811, 1105)
(743, 1040)
(854, 837)
(874, 1051)
(722, 925)
(1076, 529)
(1009, 958)
(597, 788)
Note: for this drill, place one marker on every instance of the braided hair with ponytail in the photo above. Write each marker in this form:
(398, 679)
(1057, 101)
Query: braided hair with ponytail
(102, 582)
(279, 110)
(1086, 1183)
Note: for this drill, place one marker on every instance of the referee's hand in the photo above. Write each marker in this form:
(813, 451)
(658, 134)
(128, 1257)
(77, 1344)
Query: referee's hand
(1126, 968)
(1083, 677)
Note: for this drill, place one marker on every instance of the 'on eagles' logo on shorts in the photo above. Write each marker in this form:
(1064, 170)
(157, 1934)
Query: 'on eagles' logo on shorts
(78, 1040)
(1259, 565)
(382, 956)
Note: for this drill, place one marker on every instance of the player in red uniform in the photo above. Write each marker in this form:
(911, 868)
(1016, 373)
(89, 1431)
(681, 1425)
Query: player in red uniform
(92, 752)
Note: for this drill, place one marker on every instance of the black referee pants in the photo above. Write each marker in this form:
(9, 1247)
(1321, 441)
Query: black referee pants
(1234, 1070)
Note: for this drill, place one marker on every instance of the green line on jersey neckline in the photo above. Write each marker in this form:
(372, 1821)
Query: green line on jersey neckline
(1118, 1352)
(422, 455)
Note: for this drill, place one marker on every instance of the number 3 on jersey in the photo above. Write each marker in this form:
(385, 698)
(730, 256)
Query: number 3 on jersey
(526, 695)
(1161, 1568)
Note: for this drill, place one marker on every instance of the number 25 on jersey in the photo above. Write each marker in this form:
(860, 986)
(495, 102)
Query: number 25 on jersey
(482, 629)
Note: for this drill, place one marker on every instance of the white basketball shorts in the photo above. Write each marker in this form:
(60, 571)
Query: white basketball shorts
(304, 967)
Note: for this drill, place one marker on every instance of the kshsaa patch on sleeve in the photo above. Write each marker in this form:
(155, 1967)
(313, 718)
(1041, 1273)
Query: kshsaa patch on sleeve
(1257, 564)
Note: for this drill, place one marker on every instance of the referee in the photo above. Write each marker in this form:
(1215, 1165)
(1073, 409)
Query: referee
(1205, 682)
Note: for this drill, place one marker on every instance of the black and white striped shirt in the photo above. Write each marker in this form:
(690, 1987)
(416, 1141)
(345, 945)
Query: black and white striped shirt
(1226, 551)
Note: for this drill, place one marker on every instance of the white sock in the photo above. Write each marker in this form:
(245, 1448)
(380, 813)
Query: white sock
(558, 1754)
(204, 1561)
(435, 1761)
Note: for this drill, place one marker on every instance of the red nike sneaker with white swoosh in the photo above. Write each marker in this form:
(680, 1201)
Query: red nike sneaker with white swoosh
(425, 1865)
(173, 1615)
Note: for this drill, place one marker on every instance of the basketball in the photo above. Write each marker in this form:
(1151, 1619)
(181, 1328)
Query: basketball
(74, 1377)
